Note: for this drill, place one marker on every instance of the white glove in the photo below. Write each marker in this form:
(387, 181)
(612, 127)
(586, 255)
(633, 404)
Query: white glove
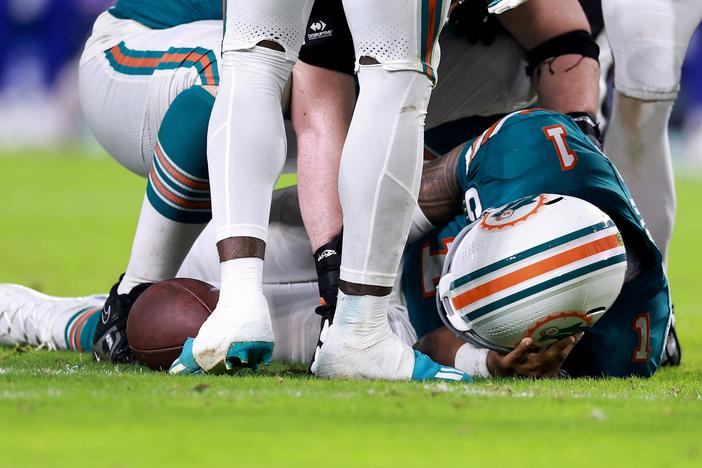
(497, 7)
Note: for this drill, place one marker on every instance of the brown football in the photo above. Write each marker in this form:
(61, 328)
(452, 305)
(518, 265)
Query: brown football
(164, 316)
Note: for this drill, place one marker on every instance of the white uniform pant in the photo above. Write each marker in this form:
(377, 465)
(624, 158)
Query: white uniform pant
(130, 74)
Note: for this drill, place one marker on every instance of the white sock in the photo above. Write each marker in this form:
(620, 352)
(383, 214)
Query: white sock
(160, 246)
(241, 276)
(241, 314)
(637, 143)
(362, 314)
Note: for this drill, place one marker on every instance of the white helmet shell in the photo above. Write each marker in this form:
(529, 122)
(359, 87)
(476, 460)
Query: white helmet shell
(546, 266)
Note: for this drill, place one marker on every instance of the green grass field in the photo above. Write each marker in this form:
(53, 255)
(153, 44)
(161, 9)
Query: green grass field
(67, 229)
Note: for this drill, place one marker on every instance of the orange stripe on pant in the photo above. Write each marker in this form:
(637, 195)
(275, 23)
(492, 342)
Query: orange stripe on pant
(140, 62)
(536, 269)
(207, 70)
(176, 174)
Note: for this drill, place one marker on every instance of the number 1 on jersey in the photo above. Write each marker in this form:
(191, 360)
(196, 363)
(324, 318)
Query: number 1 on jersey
(642, 327)
(566, 156)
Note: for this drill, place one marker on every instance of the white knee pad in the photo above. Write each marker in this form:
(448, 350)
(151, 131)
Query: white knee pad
(381, 171)
(248, 22)
(246, 142)
(649, 39)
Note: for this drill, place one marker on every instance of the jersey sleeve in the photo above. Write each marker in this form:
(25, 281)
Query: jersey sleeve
(328, 41)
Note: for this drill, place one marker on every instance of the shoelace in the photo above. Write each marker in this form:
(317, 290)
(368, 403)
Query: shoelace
(37, 315)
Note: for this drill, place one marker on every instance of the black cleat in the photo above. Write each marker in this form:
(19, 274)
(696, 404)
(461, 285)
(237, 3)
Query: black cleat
(110, 342)
(672, 352)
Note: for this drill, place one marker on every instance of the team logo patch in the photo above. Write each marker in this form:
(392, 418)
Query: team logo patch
(556, 327)
(513, 213)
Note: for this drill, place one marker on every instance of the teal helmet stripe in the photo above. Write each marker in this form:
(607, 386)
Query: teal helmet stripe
(531, 252)
(486, 309)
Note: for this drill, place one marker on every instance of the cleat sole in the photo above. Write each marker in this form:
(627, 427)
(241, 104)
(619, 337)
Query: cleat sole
(249, 354)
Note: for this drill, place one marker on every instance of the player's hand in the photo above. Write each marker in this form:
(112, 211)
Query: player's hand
(470, 18)
(589, 126)
(528, 361)
(500, 6)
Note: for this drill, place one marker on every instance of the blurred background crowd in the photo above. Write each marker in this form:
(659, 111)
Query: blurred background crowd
(41, 42)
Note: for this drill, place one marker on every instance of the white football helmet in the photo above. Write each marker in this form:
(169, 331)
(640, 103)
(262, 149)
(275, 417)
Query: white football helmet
(546, 266)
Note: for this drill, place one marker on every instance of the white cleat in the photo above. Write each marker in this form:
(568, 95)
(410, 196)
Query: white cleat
(237, 334)
(379, 354)
(376, 354)
(28, 317)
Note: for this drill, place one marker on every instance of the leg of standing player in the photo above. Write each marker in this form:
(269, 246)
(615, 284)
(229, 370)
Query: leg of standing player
(649, 39)
(246, 153)
(397, 51)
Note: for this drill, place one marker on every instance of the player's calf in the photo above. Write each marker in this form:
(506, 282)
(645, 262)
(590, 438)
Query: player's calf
(177, 203)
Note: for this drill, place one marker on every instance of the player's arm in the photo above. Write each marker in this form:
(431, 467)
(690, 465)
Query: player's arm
(440, 194)
(444, 347)
(556, 34)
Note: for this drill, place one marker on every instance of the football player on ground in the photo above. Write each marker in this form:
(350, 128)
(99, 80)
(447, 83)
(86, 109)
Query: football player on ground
(521, 155)
(649, 39)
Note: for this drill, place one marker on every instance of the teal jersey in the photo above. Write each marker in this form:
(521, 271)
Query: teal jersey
(533, 152)
(163, 14)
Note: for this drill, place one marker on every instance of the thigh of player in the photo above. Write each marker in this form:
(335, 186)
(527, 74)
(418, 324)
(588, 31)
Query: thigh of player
(398, 34)
(126, 89)
(649, 39)
(250, 22)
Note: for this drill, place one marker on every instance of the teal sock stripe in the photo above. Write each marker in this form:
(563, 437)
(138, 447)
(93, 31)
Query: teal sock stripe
(178, 186)
(145, 62)
(80, 329)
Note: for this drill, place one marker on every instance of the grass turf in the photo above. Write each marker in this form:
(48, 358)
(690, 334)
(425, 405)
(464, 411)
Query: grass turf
(66, 230)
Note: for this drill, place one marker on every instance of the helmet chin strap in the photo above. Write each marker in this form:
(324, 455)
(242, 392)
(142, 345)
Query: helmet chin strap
(442, 300)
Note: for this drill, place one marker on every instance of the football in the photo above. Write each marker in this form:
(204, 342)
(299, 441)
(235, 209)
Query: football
(164, 316)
